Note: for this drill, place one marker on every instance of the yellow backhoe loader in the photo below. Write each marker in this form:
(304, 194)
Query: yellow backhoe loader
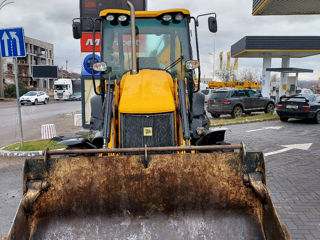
(154, 170)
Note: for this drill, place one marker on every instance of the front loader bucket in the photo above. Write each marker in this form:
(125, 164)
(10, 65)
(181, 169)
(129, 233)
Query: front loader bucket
(177, 196)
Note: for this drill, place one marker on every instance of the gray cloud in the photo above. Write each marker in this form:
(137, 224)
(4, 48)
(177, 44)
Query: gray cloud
(51, 21)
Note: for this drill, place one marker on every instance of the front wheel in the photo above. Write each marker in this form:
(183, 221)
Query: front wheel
(45, 101)
(317, 117)
(35, 102)
(237, 112)
(269, 108)
(284, 119)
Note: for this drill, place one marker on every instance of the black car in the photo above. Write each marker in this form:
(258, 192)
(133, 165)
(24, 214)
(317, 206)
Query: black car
(238, 101)
(300, 107)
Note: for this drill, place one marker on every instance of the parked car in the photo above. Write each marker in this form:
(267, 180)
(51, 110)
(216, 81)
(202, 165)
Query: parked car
(75, 97)
(300, 107)
(304, 91)
(207, 93)
(34, 97)
(238, 101)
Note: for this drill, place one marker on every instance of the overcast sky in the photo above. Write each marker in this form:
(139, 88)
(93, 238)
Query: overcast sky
(51, 21)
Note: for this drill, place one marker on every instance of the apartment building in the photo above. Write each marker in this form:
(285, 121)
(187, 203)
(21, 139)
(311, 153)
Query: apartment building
(37, 53)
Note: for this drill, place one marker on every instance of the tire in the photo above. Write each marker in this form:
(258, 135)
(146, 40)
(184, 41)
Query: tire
(237, 111)
(45, 101)
(35, 102)
(22, 103)
(317, 118)
(269, 108)
(284, 119)
(215, 115)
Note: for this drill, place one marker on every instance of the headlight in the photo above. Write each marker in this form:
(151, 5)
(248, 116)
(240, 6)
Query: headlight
(110, 17)
(178, 17)
(100, 67)
(122, 18)
(192, 64)
(167, 17)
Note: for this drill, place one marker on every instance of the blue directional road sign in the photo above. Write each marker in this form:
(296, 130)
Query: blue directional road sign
(12, 42)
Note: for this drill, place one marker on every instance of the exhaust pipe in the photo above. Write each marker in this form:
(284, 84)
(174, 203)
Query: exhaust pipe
(133, 38)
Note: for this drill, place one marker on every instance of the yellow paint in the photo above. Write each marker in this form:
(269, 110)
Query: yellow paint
(276, 50)
(149, 91)
(259, 7)
(141, 14)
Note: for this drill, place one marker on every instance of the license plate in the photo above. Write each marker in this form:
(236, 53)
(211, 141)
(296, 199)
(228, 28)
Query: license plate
(292, 106)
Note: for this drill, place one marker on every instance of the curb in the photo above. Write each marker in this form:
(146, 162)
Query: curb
(5, 153)
(244, 122)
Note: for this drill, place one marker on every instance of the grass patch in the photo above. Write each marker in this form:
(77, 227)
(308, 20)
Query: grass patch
(37, 145)
(221, 121)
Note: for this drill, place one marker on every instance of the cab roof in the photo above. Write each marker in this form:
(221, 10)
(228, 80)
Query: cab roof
(141, 14)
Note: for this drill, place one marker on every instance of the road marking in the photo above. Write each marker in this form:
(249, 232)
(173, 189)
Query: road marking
(286, 148)
(265, 128)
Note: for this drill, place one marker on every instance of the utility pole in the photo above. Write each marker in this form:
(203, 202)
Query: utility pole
(1, 80)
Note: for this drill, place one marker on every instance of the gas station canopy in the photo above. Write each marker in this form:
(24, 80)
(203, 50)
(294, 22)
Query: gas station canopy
(290, 70)
(285, 7)
(276, 46)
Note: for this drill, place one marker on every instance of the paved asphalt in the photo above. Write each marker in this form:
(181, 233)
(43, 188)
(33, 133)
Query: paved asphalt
(33, 116)
(293, 176)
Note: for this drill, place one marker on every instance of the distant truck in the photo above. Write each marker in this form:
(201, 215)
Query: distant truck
(65, 88)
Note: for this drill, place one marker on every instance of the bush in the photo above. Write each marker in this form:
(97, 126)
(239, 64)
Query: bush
(10, 91)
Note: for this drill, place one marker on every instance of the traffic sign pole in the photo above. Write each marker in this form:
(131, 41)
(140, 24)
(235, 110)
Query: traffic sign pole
(12, 45)
(18, 101)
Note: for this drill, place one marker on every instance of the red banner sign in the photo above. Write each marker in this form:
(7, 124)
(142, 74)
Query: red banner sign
(87, 42)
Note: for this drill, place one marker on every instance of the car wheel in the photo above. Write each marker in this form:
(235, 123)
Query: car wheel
(35, 102)
(215, 115)
(269, 108)
(317, 117)
(284, 119)
(22, 103)
(237, 111)
(45, 101)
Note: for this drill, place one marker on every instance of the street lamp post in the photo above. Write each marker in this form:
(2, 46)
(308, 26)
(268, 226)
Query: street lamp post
(213, 61)
(213, 56)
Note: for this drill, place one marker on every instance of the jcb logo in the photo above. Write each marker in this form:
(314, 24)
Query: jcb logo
(147, 131)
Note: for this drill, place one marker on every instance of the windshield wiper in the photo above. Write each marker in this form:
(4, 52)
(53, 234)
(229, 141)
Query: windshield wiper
(174, 63)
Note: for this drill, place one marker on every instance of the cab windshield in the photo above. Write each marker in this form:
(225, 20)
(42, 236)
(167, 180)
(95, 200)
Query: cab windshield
(60, 87)
(159, 46)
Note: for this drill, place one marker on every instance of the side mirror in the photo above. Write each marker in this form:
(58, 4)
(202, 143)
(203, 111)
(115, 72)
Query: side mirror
(76, 30)
(212, 24)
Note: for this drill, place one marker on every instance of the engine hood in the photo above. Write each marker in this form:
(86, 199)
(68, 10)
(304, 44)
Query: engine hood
(149, 91)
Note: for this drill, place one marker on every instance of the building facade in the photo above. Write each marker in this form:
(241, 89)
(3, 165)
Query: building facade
(37, 53)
